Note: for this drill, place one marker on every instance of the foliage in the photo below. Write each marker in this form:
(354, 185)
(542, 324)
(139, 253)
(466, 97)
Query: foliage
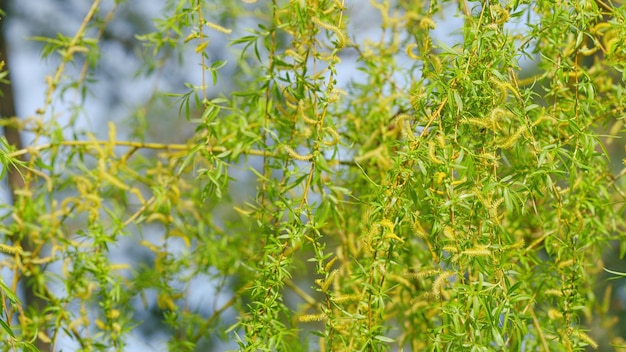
(441, 201)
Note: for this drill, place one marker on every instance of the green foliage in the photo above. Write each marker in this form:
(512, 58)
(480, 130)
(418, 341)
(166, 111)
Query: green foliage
(440, 201)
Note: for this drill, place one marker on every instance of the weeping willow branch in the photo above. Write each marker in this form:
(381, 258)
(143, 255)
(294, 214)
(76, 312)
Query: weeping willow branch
(34, 150)
(138, 145)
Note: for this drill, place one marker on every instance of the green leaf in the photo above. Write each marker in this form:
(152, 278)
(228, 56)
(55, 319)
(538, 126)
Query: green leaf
(6, 328)
(619, 274)
(384, 339)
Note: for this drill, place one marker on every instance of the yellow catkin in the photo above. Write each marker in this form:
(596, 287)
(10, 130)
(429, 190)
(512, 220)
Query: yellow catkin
(299, 58)
(436, 62)
(138, 194)
(410, 51)
(114, 314)
(345, 298)
(10, 249)
(586, 338)
(44, 260)
(329, 280)
(504, 87)
(565, 340)
(554, 314)
(565, 263)
(393, 236)
(112, 137)
(427, 23)
(404, 124)
(81, 321)
(439, 177)
(439, 282)
(150, 246)
(484, 123)
(383, 8)
(493, 209)
(400, 280)
(290, 99)
(441, 140)
(114, 181)
(448, 232)
(200, 47)
(611, 43)
(242, 212)
(119, 266)
(333, 134)
(217, 27)
(335, 94)
(459, 182)
(477, 251)
(387, 223)
(419, 229)
(600, 28)
(328, 57)
(501, 14)
(373, 230)
(501, 88)
(576, 73)
(496, 115)
(496, 204)
(421, 274)
(330, 264)
(292, 153)
(587, 51)
(100, 324)
(338, 5)
(616, 128)
(450, 248)
(306, 119)
(421, 234)
(341, 38)
(518, 244)
(307, 318)
(43, 337)
(508, 142)
(554, 292)
(418, 303)
(431, 153)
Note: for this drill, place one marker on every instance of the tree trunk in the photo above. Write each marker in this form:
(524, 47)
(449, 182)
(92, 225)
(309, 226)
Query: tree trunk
(30, 300)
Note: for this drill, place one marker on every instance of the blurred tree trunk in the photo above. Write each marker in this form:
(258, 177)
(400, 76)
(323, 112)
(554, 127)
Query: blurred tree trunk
(30, 300)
